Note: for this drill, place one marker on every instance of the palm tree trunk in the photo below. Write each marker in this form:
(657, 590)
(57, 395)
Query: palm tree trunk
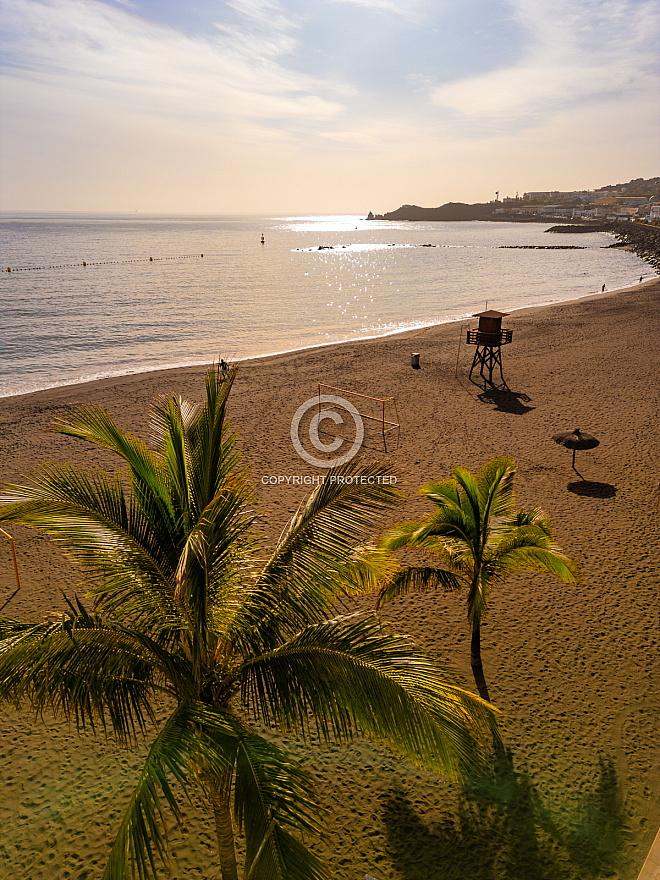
(224, 829)
(475, 646)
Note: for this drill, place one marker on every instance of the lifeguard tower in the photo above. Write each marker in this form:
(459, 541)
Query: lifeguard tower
(489, 338)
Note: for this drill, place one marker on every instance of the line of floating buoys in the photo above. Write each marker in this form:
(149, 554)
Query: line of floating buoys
(104, 263)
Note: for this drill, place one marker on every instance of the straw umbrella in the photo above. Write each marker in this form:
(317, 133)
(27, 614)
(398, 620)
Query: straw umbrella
(576, 440)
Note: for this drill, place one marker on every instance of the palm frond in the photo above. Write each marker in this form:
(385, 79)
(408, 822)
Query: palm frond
(281, 856)
(167, 427)
(445, 533)
(213, 556)
(271, 792)
(455, 530)
(403, 534)
(530, 531)
(420, 579)
(532, 517)
(224, 525)
(509, 537)
(541, 559)
(301, 580)
(90, 517)
(368, 568)
(353, 676)
(445, 494)
(147, 469)
(470, 498)
(82, 669)
(214, 453)
(181, 747)
(10, 627)
(496, 488)
(142, 835)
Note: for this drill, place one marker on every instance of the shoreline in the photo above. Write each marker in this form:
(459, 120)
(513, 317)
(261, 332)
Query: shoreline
(118, 377)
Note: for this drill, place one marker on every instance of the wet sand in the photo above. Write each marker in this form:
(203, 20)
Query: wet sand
(573, 669)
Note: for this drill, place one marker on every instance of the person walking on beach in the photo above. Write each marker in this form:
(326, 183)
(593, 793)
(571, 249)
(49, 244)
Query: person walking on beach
(602, 288)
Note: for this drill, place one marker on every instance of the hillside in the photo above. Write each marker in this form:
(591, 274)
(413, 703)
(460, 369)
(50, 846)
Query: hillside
(451, 211)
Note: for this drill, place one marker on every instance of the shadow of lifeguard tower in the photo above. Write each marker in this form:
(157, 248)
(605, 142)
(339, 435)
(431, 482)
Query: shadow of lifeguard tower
(489, 338)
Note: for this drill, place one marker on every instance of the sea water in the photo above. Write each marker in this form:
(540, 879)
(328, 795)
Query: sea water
(147, 298)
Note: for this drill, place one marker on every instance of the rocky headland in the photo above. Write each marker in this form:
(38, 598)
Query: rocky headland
(453, 211)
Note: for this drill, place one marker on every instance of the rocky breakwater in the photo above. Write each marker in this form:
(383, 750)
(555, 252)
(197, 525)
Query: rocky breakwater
(643, 240)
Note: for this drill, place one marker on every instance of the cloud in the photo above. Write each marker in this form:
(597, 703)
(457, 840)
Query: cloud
(105, 53)
(413, 11)
(104, 110)
(576, 50)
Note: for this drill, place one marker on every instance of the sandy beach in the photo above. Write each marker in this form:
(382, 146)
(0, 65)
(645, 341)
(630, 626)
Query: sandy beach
(574, 670)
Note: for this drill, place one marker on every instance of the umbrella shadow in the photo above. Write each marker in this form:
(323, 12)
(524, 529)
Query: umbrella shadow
(506, 400)
(592, 489)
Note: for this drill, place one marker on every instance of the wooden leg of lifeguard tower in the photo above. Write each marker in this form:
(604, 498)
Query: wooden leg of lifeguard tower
(475, 360)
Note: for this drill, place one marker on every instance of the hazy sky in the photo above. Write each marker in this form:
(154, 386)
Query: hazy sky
(253, 106)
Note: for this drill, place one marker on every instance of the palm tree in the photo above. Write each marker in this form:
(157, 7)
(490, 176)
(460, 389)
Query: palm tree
(181, 610)
(479, 538)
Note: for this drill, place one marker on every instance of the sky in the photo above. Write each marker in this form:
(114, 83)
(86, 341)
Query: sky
(321, 106)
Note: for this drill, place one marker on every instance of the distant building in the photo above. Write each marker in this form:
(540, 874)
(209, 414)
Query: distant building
(587, 213)
(554, 195)
(556, 210)
(631, 200)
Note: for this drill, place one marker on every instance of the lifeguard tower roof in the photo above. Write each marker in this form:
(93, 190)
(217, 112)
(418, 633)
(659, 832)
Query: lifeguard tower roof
(491, 313)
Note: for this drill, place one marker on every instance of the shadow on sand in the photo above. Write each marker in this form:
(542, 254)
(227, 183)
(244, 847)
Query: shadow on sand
(506, 400)
(480, 681)
(501, 830)
(592, 489)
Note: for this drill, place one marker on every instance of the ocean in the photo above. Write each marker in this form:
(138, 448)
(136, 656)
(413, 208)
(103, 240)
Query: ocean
(147, 299)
